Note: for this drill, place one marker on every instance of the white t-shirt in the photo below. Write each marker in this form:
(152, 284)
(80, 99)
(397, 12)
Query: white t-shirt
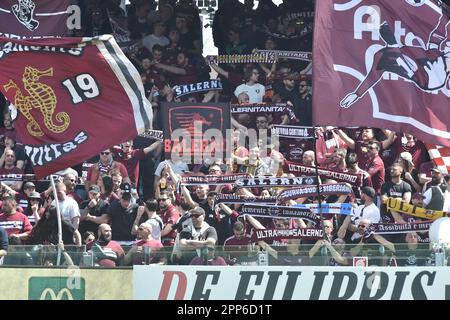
(255, 92)
(69, 209)
(150, 40)
(156, 224)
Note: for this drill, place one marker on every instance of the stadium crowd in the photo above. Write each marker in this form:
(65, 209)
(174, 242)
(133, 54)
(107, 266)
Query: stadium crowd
(129, 205)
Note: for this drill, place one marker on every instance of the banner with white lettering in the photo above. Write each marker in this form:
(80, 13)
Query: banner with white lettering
(383, 64)
(286, 54)
(76, 97)
(388, 228)
(262, 182)
(278, 212)
(186, 283)
(328, 208)
(311, 191)
(261, 116)
(213, 84)
(293, 132)
(212, 180)
(297, 168)
(278, 234)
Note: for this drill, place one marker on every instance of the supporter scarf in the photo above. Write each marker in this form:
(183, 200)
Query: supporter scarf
(311, 191)
(353, 179)
(260, 108)
(239, 199)
(153, 134)
(20, 177)
(285, 54)
(213, 84)
(211, 180)
(328, 208)
(402, 207)
(278, 234)
(293, 132)
(262, 182)
(105, 168)
(242, 58)
(387, 228)
(279, 212)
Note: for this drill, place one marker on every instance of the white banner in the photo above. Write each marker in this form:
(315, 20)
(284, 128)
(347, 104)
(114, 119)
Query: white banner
(290, 283)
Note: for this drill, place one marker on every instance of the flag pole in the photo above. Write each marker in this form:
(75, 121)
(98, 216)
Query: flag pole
(58, 214)
(317, 179)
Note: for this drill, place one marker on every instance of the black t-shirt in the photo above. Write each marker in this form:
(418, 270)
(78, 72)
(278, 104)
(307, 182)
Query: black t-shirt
(222, 224)
(122, 220)
(100, 209)
(411, 257)
(392, 190)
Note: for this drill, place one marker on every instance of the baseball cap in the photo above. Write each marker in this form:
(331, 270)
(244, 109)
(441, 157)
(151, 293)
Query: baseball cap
(368, 191)
(34, 195)
(126, 190)
(418, 195)
(29, 184)
(197, 211)
(407, 157)
(435, 170)
(94, 188)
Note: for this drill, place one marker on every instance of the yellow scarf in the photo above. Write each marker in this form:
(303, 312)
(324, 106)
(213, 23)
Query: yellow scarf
(402, 207)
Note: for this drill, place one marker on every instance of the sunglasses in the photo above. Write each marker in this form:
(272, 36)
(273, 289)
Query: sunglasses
(105, 153)
(362, 226)
(196, 215)
(163, 199)
(35, 199)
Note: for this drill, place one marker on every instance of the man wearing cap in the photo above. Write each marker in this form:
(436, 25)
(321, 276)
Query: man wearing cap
(22, 197)
(198, 235)
(93, 211)
(34, 209)
(438, 197)
(122, 214)
(368, 210)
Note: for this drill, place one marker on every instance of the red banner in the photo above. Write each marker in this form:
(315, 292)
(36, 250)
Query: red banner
(383, 64)
(76, 97)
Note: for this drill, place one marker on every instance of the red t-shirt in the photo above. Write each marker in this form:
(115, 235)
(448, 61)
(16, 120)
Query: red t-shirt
(154, 246)
(112, 250)
(375, 168)
(93, 172)
(130, 160)
(15, 224)
(169, 216)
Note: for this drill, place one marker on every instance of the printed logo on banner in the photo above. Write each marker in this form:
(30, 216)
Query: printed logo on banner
(186, 129)
(54, 288)
(24, 12)
(401, 52)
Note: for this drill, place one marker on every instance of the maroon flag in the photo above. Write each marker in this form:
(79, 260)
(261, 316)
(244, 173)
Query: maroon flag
(75, 97)
(384, 64)
(39, 17)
